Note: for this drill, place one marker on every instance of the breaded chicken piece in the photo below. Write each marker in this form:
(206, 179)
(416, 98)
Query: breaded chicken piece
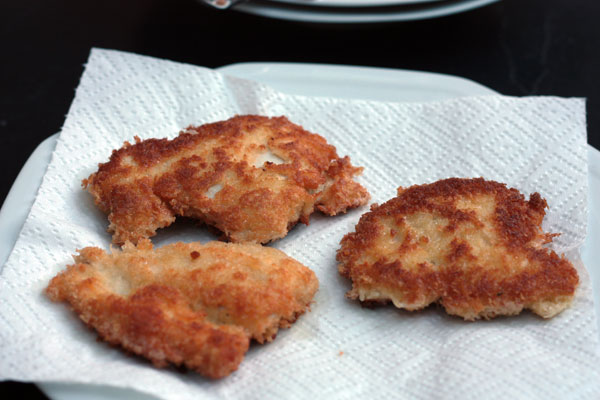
(252, 177)
(472, 245)
(187, 304)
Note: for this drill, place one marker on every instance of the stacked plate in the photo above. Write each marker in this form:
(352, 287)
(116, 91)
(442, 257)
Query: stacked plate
(356, 11)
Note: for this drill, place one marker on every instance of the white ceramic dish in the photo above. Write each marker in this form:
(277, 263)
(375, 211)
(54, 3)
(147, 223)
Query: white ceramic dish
(304, 79)
(355, 3)
(310, 12)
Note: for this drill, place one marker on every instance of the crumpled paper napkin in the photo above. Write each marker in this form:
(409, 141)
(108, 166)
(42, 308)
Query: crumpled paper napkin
(338, 350)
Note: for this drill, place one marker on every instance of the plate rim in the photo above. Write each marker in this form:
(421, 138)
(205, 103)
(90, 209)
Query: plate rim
(292, 12)
(355, 4)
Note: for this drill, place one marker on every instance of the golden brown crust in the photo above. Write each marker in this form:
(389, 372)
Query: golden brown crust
(187, 304)
(473, 245)
(252, 177)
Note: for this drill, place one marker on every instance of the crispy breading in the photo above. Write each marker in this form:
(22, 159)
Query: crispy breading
(187, 304)
(472, 245)
(252, 177)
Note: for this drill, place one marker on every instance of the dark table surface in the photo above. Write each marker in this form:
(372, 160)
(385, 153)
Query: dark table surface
(516, 47)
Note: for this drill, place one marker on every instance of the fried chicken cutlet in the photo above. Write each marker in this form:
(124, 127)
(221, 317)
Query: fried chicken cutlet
(252, 177)
(187, 304)
(472, 245)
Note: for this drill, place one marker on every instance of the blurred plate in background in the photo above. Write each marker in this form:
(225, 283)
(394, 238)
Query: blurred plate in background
(354, 3)
(357, 11)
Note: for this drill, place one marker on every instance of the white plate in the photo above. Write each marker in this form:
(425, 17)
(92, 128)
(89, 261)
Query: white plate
(338, 15)
(354, 3)
(309, 80)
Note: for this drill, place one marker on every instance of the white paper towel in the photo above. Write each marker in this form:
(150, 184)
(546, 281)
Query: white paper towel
(338, 350)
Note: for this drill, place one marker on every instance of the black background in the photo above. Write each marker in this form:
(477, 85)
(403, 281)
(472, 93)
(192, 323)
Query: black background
(516, 47)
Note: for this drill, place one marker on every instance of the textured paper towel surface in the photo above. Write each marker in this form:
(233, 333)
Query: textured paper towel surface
(338, 350)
